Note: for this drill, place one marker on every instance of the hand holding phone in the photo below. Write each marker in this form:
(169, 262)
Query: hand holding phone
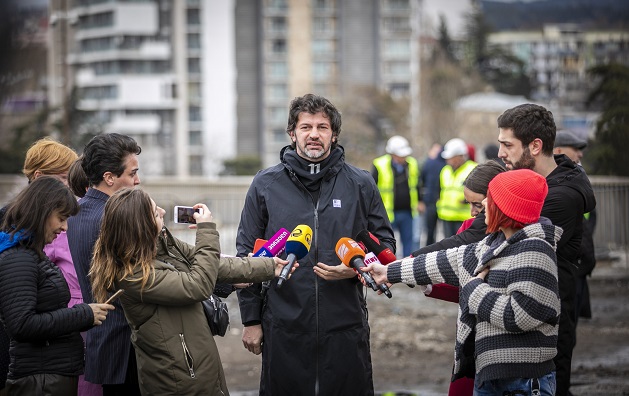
(114, 296)
(185, 214)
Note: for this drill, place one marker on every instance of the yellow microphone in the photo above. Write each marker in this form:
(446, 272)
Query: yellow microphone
(297, 247)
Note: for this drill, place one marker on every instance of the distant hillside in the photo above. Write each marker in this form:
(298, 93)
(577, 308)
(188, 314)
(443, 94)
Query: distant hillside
(531, 15)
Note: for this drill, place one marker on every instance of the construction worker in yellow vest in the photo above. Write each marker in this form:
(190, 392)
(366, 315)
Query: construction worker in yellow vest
(451, 207)
(397, 177)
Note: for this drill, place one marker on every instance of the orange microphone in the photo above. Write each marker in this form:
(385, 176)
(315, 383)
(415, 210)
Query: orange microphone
(353, 256)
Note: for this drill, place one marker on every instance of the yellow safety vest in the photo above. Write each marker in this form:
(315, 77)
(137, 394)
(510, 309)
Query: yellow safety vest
(451, 206)
(386, 180)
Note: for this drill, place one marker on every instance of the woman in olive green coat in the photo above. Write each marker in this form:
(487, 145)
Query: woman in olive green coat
(164, 285)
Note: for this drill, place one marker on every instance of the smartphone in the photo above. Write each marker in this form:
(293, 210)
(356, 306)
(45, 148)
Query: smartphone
(114, 296)
(184, 214)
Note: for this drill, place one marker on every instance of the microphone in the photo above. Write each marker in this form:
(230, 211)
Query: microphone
(274, 246)
(297, 247)
(371, 258)
(353, 256)
(372, 243)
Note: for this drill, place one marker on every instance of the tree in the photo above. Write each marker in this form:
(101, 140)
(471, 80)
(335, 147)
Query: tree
(606, 155)
(370, 118)
(497, 66)
(445, 47)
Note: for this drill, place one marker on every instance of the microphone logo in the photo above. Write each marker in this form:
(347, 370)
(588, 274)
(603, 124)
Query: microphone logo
(299, 231)
(342, 251)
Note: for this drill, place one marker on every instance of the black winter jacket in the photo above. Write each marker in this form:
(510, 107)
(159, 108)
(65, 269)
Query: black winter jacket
(316, 334)
(44, 332)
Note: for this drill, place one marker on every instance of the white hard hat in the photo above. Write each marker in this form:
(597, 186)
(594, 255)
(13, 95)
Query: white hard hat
(453, 148)
(397, 145)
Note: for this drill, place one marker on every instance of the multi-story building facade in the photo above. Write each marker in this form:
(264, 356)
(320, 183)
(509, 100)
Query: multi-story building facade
(161, 71)
(558, 57)
(287, 48)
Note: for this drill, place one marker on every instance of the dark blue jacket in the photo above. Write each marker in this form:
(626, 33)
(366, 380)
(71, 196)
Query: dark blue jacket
(107, 346)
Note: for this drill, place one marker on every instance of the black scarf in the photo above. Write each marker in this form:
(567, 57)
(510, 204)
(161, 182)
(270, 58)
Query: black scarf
(310, 174)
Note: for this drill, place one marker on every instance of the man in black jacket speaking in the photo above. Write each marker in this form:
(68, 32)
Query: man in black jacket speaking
(526, 136)
(313, 331)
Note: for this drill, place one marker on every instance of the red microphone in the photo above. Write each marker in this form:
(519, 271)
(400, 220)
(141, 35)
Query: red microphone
(384, 254)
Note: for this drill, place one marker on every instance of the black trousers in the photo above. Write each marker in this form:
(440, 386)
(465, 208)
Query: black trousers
(43, 385)
(130, 386)
(567, 329)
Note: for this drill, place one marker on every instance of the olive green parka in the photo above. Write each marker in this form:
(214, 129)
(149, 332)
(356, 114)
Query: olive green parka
(175, 350)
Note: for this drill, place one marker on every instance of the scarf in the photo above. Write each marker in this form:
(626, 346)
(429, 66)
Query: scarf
(311, 173)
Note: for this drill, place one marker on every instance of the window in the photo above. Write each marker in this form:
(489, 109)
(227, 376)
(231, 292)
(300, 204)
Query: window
(194, 113)
(103, 19)
(397, 25)
(97, 44)
(277, 92)
(194, 41)
(196, 165)
(195, 138)
(194, 66)
(322, 71)
(323, 5)
(278, 47)
(277, 4)
(322, 47)
(397, 48)
(322, 25)
(398, 70)
(193, 17)
(279, 135)
(397, 5)
(278, 70)
(101, 92)
(194, 91)
(278, 115)
(278, 25)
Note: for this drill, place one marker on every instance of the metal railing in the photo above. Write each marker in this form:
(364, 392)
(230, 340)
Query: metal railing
(225, 197)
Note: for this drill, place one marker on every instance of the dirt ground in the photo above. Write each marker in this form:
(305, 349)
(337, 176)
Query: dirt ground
(412, 340)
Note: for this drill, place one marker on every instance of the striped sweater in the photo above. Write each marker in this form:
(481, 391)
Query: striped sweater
(507, 324)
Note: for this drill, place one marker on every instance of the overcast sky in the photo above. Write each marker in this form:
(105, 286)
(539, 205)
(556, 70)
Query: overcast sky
(453, 10)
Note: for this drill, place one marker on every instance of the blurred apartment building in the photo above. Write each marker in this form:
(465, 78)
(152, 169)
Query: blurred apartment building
(558, 56)
(161, 71)
(287, 48)
(198, 81)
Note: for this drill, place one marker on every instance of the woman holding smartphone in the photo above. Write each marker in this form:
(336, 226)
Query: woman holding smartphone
(165, 281)
(46, 348)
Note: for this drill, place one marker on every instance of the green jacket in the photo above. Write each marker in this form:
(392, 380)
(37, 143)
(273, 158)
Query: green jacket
(386, 183)
(175, 350)
(451, 205)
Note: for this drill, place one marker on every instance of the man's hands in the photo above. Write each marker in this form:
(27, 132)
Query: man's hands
(333, 272)
(252, 338)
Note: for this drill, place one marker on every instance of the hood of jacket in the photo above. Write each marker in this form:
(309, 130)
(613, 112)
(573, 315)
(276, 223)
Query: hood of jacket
(563, 175)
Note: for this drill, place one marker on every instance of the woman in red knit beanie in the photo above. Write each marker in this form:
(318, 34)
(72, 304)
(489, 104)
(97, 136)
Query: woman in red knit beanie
(509, 303)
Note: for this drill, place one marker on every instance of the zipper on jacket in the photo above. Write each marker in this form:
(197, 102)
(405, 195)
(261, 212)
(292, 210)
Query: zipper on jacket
(187, 356)
(316, 257)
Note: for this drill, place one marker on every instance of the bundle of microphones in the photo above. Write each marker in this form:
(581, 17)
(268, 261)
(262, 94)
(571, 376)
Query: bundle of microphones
(355, 254)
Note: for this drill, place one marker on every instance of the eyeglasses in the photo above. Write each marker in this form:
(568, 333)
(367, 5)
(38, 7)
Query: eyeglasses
(476, 205)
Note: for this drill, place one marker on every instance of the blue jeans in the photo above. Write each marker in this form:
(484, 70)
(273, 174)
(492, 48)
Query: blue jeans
(516, 386)
(403, 221)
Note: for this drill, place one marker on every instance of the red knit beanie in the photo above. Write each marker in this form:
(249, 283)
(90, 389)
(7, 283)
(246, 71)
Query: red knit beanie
(519, 194)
